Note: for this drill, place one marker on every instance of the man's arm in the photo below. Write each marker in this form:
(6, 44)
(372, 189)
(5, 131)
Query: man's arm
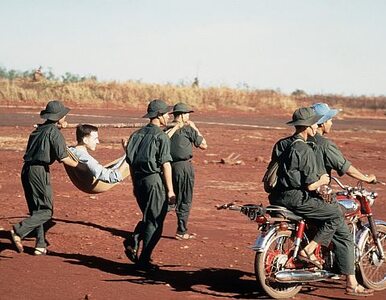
(123, 167)
(324, 179)
(69, 162)
(203, 144)
(173, 129)
(75, 164)
(355, 173)
(167, 174)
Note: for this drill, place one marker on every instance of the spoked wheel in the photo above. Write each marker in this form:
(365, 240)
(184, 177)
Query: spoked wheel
(269, 262)
(372, 268)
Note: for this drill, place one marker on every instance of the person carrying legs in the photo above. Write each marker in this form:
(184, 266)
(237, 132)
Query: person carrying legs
(46, 145)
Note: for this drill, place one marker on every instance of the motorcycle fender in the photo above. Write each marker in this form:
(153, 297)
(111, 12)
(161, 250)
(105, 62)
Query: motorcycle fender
(362, 234)
(262, 239)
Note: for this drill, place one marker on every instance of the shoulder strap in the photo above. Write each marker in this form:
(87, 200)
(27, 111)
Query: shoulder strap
(290, 145)
(297, 140)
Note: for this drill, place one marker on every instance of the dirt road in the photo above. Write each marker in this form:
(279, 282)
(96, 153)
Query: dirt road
(86, 258)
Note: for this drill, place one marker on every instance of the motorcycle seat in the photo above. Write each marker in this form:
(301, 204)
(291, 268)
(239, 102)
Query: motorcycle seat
(276, 210)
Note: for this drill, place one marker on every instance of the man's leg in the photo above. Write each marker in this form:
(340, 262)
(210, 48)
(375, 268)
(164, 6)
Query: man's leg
(344, 249)
(328, 215)
(185, 184)
(154, 216)
(131, 243)
(38, 194)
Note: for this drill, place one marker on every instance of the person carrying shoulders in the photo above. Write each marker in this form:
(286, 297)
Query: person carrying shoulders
(183, 136)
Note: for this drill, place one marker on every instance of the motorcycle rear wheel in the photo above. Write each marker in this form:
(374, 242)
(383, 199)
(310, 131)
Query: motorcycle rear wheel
(269, 262)
(372, 271)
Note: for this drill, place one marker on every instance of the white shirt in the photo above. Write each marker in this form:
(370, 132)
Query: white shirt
(110, 175)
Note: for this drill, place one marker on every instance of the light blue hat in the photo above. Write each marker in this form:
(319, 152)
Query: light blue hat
(325, 111)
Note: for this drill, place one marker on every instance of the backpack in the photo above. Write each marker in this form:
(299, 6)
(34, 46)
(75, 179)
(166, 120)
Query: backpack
(270, 176)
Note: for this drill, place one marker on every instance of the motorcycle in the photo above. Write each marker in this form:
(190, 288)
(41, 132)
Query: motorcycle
(280, 274)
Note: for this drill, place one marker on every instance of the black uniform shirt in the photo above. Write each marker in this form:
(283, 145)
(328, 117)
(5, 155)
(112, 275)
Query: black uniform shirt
(329, 155)
(299, 168)
(45, 145)
(181, 143)
(148, 148)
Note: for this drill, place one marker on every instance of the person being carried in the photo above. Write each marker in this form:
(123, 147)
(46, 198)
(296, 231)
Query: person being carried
(87, 139)
(46, 144)
(183, 135)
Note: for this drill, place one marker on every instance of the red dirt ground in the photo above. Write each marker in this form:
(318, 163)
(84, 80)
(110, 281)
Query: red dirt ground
(86, 258)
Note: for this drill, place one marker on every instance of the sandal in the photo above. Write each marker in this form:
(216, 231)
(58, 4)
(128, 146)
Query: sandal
(17, 241)
(306, 257)
(359, 291)
(185, 236)
(131, 249)
(131, 254)
(40, 251)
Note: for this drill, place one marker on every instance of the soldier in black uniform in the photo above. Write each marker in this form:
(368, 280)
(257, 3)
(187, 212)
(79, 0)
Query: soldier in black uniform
(46, 144)
(329, 158)
(298, 181)
(148, 154)
(183, 135)
(332, 157)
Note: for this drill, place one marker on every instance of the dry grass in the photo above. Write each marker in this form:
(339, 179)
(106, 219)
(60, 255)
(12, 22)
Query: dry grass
(135, 94)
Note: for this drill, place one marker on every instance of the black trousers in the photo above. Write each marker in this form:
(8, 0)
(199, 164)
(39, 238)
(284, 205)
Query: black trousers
(38, 194)
(332, 226)
(151, 198)
(183, 184)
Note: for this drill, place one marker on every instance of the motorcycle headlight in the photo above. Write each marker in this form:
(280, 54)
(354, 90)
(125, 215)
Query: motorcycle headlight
(371, 198)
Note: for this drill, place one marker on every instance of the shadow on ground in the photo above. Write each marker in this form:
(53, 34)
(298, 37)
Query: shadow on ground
(230, 283)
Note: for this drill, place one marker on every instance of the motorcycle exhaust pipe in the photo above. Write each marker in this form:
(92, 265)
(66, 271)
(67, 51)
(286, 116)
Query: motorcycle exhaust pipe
(294, 276)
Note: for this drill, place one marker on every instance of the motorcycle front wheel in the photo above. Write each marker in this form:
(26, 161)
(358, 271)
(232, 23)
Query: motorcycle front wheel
(372, 269)
(267, 263)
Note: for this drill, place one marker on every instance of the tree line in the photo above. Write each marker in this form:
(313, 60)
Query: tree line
(12, 74)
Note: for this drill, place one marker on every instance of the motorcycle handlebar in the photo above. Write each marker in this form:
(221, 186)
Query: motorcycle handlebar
(345, 187)
(230, 206)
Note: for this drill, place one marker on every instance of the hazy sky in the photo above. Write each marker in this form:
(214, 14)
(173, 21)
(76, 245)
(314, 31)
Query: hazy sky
(320, 46)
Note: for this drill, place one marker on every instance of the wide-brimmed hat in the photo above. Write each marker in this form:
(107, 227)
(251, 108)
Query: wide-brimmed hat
(155, 108)
(55, 110)
(304, 116)
(325, 111)
(181, 108)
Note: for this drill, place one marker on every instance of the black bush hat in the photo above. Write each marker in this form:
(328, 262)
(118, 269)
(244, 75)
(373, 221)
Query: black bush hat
(304, 116)
(181, 108)
(155, 108)
(55, 110)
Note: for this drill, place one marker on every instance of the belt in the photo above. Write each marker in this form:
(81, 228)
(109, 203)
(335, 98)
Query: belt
(139, 176)
(37, 163)
(182, 160)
